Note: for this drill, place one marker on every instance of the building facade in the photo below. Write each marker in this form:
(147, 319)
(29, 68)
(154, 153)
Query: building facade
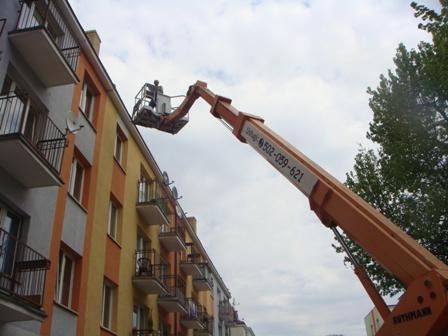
(92, 238)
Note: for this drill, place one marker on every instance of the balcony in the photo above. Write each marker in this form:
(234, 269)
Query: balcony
(37, 143)
(203, 282)
(226, 311)
(193, 318)
(190, 264)
(45, 41)
(150, 205)
(207, 330)
(174, 300)
(172, 238)
(22, 280)
(150, 272)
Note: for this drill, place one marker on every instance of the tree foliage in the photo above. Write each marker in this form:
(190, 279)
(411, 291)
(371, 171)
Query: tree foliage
(406, 178)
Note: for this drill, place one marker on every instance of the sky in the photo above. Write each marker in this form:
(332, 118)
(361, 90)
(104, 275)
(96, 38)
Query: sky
(304, 66)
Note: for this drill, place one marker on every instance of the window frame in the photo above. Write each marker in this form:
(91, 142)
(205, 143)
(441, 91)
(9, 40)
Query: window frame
(119, 143)
(87, 101)
(60, 279)
(108, 286)
(140, 317)
(113, 205)
(76, 162)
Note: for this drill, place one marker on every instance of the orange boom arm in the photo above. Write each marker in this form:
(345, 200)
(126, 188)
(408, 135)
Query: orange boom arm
(423, 308)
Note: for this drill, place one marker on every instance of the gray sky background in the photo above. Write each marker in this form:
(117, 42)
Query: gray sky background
(302, 65)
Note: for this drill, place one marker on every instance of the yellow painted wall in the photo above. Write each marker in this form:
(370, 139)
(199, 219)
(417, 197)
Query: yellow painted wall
(99, 230)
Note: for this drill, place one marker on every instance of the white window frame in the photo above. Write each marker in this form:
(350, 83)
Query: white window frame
(140, 312)
(112, 227)
(73, 174)
(118, 146)
(83, 101)
(107, 285)
(60, 279)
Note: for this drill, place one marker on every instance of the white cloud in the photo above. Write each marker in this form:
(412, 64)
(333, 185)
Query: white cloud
(304, 67)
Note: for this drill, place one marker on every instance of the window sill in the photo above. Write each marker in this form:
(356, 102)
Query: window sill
(114, 241)
(119, 165)
(77, 202)
(108, 331)
(68, 309)
(87, 119)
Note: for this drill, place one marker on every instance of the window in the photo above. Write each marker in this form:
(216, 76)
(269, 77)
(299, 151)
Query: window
(108, 302)
(113, 220)
(118, 147)
(87, 104)
(64, 283)
(76, 179)
(10, 227)
(140, 319)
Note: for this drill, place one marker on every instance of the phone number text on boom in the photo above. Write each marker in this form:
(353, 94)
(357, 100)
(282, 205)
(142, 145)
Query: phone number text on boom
(280, 159)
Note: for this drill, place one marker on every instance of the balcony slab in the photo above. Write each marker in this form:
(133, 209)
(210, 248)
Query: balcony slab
(43, 56)
(26, 165)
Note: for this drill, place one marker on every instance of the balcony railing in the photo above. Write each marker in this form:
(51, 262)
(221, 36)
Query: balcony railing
(226, 311)
(148, 194)
(19, 117)
(178, 230)
(172, 237)
(191, 255)
(204, 281)
(207, 321)
(176, 288)
(22, 270)
(193, 317)
(45, 14)
(150, 263)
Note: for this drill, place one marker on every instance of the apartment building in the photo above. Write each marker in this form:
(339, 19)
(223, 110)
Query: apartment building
(92, 238)
(38, 62)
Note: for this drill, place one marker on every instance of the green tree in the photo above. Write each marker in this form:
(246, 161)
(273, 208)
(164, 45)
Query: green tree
(406, 178)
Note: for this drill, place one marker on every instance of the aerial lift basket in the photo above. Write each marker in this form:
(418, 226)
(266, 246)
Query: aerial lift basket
(151, 104)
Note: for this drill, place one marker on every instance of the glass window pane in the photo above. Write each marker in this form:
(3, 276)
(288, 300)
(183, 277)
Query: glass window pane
(67, 281)
(78, 179)
(107, 306)
(112, 220)
(118, 146)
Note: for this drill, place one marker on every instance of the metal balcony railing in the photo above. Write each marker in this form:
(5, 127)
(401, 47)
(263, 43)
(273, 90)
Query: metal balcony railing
(22, 270)
(226, 311)
(150, 263)
(205, 274)
(176, 288)
(194, 310)
(148, 193)
(45, 14)
(19, 117)
(207, 321)
(191, 255)
(178, 230)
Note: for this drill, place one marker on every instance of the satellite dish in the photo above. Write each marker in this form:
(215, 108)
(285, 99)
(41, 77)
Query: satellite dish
(72, 122)
(166, 179)
(175, 194)
(178, 210)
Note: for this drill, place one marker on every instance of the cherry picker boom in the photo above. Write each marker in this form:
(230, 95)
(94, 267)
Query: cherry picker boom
(423, 308)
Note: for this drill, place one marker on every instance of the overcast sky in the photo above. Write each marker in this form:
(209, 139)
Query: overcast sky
(304, 66)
